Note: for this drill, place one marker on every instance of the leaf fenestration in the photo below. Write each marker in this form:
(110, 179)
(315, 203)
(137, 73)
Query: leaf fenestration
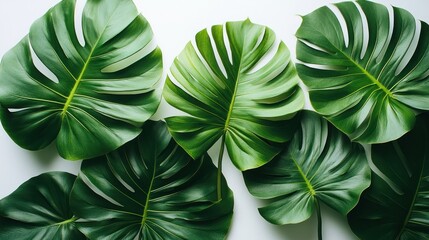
(396, 206)
(151, 189)
(369, 76)
(320, 164)
(230, 86)
(105, 89)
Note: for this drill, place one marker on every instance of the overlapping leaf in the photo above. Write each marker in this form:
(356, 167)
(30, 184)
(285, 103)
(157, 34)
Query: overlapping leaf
(396, 206)
(151, 189)
(369, 78)
(39, 209)
(320, 164)
(105, 89)
(231, 87)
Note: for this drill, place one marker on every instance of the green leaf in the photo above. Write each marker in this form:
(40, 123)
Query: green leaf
(373, 79)
(320, 164)
(151, 189)
(231, 87)
(105, 89)
(39, 209)
(396, 206)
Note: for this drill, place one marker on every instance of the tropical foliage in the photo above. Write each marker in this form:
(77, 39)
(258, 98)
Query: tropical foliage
(366, 67)
(228, 95)
(320, 164)
(151, 189)
(396, 206)
(40, 209)
(101, 92)
(368, 75)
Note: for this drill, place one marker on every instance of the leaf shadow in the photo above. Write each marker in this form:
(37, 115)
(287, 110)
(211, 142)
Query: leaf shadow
(303, 230)
(334, 225)
(47, 156)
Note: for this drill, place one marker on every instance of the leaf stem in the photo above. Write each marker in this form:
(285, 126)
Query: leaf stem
(73, 219)
(319, 219)
(219, 169)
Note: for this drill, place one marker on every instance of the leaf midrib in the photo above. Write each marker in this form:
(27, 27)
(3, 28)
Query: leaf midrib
(234, 95)
(146, 206)
(85, 66)
(307, 182)
(78, 80)
(363, 70)
(368, 75)
(65, 222)
(231, 106)
(407, 218)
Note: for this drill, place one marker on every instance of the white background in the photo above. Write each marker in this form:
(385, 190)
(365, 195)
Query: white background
(174, 23)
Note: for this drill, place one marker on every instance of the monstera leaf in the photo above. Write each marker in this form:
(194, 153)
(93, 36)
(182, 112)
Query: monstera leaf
(100, 93)
(151, 189)
(396, 206)
(39, 209)
(370, 76)
(319, 165)
(233, 89)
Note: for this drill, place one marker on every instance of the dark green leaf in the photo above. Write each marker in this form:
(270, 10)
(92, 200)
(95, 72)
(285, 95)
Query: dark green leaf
(240, 96)
(372, 80)
(39, 209)
(396, 206)
(320, 164)
(151, 189)
(105, 89)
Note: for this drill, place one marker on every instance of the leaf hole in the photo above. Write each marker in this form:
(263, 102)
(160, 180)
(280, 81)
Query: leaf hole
(342, 23)
(97, 191)
(365, 30)
(389, 38)
(268, 56)
(206, 65)
(118, 177)
(227, 44)
(260, 38)
(323, 67)
(411, 48)
(131, 59)
(42, 68)
(377, 171)
(14, 110)
(78, 11)
(314, 46)
(177, 83)
(216, 53)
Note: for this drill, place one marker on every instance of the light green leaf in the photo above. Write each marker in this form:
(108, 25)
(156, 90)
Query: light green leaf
(396, 206)
(319, 165)
(370, 76)
(105, 89)
(228, 90)
(151, 189)
(39, 209)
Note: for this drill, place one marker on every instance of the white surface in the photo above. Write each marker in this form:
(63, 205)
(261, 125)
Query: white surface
(174, 24)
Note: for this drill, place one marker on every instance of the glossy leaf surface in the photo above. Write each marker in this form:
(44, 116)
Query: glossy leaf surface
(320, 164)
(100, 94)
(151, 189)
(396, 206)
(39, 209)
(230, 86)
(370, 76)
